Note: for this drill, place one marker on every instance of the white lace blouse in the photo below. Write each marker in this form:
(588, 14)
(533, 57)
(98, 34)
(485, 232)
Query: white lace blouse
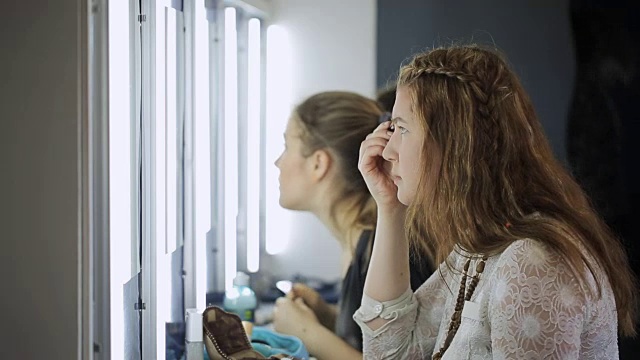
(527, 305)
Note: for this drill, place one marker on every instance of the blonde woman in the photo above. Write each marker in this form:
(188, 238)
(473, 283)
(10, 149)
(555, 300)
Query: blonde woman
(319, 174)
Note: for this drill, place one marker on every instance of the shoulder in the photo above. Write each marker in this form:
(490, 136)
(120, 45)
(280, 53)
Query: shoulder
(529, 267)
(528, 253)
(527, 258)
(536, 304)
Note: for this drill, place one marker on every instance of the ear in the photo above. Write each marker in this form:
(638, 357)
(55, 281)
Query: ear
(320, 163)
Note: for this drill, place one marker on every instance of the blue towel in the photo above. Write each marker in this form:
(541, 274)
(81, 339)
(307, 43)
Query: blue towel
(268, 342)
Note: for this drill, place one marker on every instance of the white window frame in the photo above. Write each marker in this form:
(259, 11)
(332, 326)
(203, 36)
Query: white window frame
(143, 113)
(154, 254)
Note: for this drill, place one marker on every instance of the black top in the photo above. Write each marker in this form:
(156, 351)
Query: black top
(353, 287)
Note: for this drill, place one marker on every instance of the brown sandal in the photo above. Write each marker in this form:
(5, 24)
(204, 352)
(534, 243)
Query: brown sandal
(226, 339)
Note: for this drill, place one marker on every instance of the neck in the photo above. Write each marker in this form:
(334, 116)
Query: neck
(341, 227)
(340, 224)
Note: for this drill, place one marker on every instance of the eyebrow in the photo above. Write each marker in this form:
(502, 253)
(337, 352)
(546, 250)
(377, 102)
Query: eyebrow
(399, 119)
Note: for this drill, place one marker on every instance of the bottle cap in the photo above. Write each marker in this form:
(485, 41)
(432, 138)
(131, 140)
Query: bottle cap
(194, 325)
(241, 279)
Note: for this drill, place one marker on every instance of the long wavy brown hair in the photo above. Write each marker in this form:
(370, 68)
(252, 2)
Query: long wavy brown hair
(496, 168)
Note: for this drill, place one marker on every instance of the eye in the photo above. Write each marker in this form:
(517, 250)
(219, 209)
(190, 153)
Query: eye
(402, 130)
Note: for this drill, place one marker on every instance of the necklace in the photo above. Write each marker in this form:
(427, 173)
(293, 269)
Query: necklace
(462, 297)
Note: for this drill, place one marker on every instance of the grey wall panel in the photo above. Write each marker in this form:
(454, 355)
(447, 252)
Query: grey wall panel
(39, 186)
(535, 35)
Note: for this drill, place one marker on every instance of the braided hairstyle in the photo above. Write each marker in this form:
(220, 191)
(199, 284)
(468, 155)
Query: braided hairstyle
(487, 163)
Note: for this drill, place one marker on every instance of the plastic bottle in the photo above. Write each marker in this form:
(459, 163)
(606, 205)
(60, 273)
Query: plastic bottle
(241, 299)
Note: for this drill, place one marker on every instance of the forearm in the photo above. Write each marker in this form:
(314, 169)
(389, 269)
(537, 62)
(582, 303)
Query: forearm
(324, 344)
(388, 274)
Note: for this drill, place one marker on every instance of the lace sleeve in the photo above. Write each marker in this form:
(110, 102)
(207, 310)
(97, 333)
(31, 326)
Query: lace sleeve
(536, 307)
(412, 331)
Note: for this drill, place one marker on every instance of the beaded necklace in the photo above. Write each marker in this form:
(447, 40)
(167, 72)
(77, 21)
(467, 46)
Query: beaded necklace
(462, 297)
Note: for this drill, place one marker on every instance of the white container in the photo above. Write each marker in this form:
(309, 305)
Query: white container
(194, 335)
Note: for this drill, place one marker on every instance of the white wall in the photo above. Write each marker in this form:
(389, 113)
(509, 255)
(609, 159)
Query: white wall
(39, 180)
(334, 48)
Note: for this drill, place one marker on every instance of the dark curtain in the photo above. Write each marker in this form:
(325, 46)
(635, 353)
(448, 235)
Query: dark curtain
(604, 118)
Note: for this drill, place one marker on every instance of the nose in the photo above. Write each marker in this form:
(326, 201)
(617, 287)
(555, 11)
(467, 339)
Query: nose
(277, 162)
(390, 153)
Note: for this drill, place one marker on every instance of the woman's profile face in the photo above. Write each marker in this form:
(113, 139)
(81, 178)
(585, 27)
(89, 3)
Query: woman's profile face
(295, 180)
(404, 148)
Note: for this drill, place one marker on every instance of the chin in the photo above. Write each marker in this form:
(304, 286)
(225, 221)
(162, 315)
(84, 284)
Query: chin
(404, 198)
(289, 205)
(283, 203)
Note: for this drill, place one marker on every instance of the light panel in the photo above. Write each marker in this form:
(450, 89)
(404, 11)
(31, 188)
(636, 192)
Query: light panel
(120, 157)
(253, 144)
(230, 145)
(202, 151)
(279, 101)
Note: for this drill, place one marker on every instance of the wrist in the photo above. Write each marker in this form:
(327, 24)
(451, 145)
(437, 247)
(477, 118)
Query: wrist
(315, 338)
(309, 332)
(392, 211)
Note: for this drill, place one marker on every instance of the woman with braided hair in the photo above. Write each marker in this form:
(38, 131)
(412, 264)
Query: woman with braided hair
(464, 171)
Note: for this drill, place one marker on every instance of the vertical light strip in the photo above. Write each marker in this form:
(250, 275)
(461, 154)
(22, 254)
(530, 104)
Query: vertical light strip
(279, 101)
(202, 152)
(230, 144)
(120, 157)
(160, 123)
(253, 148)
(172, 136)
(159, 189)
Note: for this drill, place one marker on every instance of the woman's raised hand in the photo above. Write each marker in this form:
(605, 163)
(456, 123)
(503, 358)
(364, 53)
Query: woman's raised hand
(311, 297)
(293, 317)
(325, 313)
(375, 169)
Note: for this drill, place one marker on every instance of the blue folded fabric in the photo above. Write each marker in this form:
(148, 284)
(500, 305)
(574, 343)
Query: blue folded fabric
(268, 342)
